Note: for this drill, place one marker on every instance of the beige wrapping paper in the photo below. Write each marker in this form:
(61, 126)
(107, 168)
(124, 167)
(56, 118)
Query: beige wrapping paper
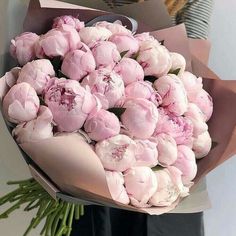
(68, 160)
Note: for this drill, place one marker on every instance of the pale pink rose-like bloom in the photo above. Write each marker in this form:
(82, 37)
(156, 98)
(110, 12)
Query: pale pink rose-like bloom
(167, 149)
(35, 130)
(177, 62)
(154, 58)
(129, 70)
(202, 145)
(144, 37)
(21, 103)
(174, 97)
(68, 20)
(37, 73)
(90, 35)
(78, 63)
(198, 119)
(106, 85)
(204, 101)
(192, 84)
(116, 153)
(57, 42)
(115, 182)
(170, 187)
(140, 117)
(102, 125)
(12, 76)
(186, 163)
(22, 47)
(125, 43)
(115, 27)
(140, 184)
(70, 104)
(143, 89)
(146, 153)
(178, 127)
(105, 54)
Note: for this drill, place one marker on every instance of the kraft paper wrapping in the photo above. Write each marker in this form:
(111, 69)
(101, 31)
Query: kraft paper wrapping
(69, 161)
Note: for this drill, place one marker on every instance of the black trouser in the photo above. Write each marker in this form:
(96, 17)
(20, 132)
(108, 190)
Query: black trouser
(104, 221)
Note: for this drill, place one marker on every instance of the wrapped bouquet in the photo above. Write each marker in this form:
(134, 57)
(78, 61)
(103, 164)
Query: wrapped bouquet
(110, 112)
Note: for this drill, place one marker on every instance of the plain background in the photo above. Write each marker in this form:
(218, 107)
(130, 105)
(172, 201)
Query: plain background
(220, 219)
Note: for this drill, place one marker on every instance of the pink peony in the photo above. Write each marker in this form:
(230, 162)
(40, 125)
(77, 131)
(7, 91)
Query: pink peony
(204, 101)
(178, 127)
(115, 181)
(140, 184)
(143, 89)
(140, 117)
(186, 163)
(115, 27)
(167, 149)
(68, 20)
(197, 117)
(90, 35)
(192, 84)
(144, 37)
(57, 42)
(12, 76)
(106, 85)
(105, 54)
(125, 43)
(22, 47)
(116, 153)
(174, 97)
(37, 129)
(78, 63)
(170, 187)
(70, 104)
(177, 62)
(154, 58)
(37, 73)
(129, 70)
(21, 103)
(146, 153)
(202, 145)
(102, 125)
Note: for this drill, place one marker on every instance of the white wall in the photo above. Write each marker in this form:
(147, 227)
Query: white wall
(221, 219)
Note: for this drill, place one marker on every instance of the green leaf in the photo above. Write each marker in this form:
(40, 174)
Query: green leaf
(41, 100)
(175, 72)
(157, 168)
(61, 75)
(213, 144)
(150, 78)
(56, 63)
(122, 54)
(135, 56)
(162, 42)
(118, 111)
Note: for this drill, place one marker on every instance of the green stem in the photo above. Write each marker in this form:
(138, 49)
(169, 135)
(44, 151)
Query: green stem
(81, 210)
(72, 211)
(26, 182)
(10, 210)
(66, 211)
(56, 220)
(51, 219)
(77, 212)
(56, 212)
(8, 196)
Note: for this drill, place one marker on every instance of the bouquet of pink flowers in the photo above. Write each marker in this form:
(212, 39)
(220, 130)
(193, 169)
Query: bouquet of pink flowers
(143, 115)
(112, 116)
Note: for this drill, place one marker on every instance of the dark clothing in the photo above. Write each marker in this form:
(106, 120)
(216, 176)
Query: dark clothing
(104, 221)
